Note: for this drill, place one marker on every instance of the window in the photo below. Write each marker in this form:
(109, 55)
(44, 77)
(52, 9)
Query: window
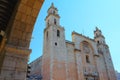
(55, 43)
(48, 23)
(58, 33)
(55, 21)
(53, 12)
(47, 35)
(87, 59)
(98, 42)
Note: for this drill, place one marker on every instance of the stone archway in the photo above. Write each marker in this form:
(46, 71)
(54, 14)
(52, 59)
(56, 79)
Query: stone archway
(14, 44)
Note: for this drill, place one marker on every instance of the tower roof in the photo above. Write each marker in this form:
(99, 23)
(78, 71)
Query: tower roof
(97, 29)
(52, 7)
(98, 33)
(52, 11)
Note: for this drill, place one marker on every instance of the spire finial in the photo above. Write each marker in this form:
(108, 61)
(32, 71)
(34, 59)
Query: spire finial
(97, 28)
(52, 4)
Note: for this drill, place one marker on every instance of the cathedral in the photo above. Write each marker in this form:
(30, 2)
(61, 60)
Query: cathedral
(82, 58)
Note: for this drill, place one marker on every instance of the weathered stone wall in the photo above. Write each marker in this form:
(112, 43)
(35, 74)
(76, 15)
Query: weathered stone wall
(16, 50)
(71, 62)
(54, 57)
(79, 64)
(14, 64)
(23, 23)
(85, 46)
(36, 66)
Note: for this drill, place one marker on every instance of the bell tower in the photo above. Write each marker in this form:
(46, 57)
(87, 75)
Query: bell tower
(53, 60)
(53, 16)
(104, 53)
(99, 38)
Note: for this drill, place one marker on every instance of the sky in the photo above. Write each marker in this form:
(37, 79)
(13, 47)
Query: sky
(82, 16)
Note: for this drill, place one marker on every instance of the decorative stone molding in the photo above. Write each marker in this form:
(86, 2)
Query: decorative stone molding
(17, 50)
(70, 42)
(82, 36)
(77, 50)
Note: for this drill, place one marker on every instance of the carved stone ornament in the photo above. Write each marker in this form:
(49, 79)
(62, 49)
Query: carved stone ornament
(86, 49)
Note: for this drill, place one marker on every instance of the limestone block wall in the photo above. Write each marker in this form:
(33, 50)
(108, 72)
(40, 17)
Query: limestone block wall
(54, 56)
(101, 68)
(35, 70)
(36, 66)
(20, 29)
(71, 62)
(14, 65)
(109, 63)
(88, 68)
(78, 38)
(79, 64)
(23, 22)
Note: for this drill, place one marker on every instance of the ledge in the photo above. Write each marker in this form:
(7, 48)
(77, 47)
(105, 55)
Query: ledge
(82, 35)
(69, 42)
(97, 55)
(77, 50)
(17, 50)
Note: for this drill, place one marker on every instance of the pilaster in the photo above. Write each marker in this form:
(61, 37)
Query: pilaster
(15, 63)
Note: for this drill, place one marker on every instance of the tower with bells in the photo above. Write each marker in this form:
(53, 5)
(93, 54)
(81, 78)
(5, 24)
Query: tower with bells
(52, 17)
(54, 55)
(104, 54)
(99, 38)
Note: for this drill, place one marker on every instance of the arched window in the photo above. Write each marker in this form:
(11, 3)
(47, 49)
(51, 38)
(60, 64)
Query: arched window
(53, 12)
(48, 23)
(47, 35)
(55, 21)
(98, 42)
(58, 33)
(87, 59)
(55, 43)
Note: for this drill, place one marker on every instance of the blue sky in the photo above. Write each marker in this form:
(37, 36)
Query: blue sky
(82, 16)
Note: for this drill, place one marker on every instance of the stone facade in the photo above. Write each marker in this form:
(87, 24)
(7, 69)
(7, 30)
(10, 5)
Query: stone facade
(35, 69)
(82, 58)
(118, 75)
(14, 43)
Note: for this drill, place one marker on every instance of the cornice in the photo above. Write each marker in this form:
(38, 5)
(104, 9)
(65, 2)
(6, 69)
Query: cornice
(56, 15)
(77, 50)
(82, 36)
(69, 42)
